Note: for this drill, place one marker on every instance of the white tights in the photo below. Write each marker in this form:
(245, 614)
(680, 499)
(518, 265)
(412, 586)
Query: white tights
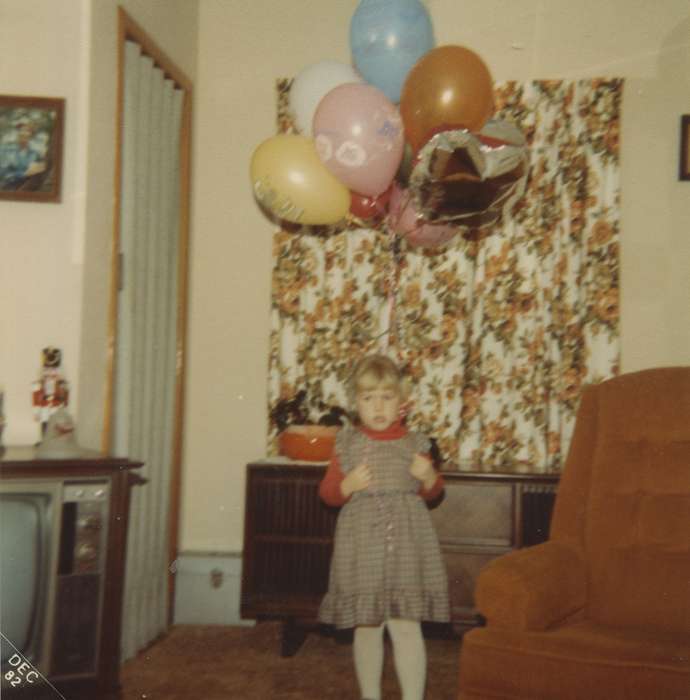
(409, 654)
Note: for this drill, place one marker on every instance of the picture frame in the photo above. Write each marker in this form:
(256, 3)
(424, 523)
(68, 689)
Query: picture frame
(684, 160)
(31, 143)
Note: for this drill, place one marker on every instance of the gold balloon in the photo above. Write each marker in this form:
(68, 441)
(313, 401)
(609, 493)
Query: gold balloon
(291, 182)
(450, 87)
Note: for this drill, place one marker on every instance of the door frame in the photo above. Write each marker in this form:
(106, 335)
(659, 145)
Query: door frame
(128, 29)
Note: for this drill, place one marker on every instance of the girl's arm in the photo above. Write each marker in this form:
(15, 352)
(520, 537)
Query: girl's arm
(431, 482)
(434, 491)
(329, 488)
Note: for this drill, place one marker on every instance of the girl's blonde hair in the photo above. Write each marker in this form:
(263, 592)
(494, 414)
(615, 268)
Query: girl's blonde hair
(375, 371)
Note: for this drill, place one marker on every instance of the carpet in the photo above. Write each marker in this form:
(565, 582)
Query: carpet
(244, 663)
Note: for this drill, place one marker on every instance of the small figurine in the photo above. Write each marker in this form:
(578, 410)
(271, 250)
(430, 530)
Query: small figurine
(51, 390)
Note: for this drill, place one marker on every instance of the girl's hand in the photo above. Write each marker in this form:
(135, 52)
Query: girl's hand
(423, 470)
(356, 480)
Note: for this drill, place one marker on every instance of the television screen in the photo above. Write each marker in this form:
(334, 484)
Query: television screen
(24, 579)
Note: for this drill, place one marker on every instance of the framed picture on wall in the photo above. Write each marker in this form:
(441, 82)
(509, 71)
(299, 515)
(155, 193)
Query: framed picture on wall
(684, 173)
(31, 133)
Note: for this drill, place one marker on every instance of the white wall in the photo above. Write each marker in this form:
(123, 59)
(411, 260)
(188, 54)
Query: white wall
(55, 258)
(172, 24)
(245, 46)
(41, 244)
(655, 246)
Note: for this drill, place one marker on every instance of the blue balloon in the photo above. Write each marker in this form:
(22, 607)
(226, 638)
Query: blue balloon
(387, 37)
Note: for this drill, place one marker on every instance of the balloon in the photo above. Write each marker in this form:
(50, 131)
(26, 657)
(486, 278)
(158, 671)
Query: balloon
(291, 182)
(359, 137)
(402, 216)
(404, 219)
(448, 88)
(311, 84)
(368, 208)
(470, 178)
(387, 37)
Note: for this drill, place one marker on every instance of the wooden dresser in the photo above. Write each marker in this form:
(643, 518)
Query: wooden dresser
(288, 536)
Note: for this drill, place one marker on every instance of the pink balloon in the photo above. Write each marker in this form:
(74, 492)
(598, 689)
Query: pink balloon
(359, 137)
(402, 216)
(404, 219)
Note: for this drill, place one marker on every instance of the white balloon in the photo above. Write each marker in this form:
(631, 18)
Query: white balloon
(311, 85)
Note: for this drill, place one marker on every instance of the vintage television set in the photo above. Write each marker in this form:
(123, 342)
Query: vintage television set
(53, 548)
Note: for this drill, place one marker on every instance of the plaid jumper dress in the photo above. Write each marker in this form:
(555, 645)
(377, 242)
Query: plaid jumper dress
(386, 559)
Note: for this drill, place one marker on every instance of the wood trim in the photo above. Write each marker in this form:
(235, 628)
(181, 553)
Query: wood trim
(111, 354)
(180, 371)
(129, 29)
(113, 592)
(684, 160)
(132, 30)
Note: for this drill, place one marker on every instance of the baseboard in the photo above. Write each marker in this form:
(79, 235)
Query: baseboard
(207, 589)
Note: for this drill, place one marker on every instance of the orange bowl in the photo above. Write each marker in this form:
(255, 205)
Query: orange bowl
(308, 443)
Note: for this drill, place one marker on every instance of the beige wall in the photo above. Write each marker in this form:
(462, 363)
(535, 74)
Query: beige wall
(244, 46)
(41, 245)
(655, 246)
(54, 259)
(172, 24)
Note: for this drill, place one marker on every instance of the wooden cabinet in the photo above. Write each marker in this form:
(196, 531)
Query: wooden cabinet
(288, 540)
(484, 515)
(88, 502)
(288, 534)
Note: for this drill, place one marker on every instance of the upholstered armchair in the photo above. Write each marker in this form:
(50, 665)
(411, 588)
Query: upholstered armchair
(601, 611)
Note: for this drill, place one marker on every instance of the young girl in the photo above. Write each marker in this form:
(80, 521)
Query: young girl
(386, 568)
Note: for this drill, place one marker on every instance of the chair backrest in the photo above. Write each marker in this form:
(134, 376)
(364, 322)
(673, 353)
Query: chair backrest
(625, 499)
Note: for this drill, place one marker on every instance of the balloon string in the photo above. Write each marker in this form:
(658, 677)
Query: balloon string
(393, 283)
(391, 335)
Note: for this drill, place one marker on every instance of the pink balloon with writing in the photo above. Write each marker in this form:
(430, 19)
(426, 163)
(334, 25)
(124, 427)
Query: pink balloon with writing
(359, 137)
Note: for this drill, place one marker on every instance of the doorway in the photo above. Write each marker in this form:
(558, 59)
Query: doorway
(148, 318)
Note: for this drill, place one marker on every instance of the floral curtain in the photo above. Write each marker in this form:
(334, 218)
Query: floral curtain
(500, 332)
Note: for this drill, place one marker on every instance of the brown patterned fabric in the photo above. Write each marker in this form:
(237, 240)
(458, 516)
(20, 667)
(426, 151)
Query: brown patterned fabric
(386, 559)
(499, 331)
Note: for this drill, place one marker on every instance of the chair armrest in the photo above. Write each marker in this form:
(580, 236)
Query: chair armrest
(532, 588)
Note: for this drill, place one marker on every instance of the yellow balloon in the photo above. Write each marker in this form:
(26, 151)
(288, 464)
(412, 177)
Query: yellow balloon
(290, 181)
